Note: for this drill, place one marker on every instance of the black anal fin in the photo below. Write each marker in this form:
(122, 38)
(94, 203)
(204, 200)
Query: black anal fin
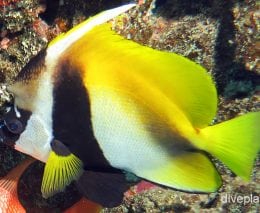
(104, 188)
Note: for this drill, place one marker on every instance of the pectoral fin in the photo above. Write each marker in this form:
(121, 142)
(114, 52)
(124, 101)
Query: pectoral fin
(62, 167)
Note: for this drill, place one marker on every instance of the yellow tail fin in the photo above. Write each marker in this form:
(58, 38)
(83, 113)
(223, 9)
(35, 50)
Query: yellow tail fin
(235, 142)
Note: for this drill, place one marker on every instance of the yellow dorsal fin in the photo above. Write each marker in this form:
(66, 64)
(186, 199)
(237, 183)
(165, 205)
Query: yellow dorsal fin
(65, 40)
(59, 172)
(182, 81)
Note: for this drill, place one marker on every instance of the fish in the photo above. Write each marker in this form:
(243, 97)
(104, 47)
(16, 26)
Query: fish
(84, 206)
(9, 201)
(94, 105)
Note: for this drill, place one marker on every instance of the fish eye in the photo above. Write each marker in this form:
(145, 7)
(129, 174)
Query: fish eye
(14, 126)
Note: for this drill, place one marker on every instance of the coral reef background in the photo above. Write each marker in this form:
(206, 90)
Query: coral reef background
(223, 36)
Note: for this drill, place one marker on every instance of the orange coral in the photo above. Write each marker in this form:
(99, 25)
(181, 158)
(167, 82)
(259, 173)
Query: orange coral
(7, 2)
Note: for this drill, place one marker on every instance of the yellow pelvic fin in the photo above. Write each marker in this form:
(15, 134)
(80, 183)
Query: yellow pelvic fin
(59, 172)
(115, 60)
(189, 171)
(235, 142)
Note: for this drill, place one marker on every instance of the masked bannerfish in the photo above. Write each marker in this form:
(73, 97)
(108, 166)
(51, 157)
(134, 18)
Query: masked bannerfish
(94, 101)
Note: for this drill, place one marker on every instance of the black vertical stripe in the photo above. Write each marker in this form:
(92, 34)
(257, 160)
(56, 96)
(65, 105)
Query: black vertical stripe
(71, 118)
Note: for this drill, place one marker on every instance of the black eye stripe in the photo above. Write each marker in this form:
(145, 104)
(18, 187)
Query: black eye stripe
(11, 126)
